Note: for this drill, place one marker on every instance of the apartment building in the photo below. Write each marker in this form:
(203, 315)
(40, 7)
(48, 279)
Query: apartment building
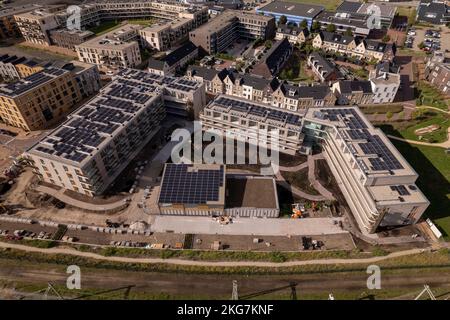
(324, 69)
(386, 12)
(68, 39)
(36, 25)
(13, 68)
(353, 92)
(86, 75)
(253, 122)
(437, 72)
(118, 48)
(174, 61)
(165, 35)
(385, 82)
(166, 10)
(354, 47)
(355, 22)
(274, 59)
(271, 91)
(220, 32)
(295, 35)
(90, 149)
(8, 25)
(376, 181)
(40, 100)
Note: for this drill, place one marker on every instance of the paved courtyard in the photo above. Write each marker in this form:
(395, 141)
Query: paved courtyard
(247, 226)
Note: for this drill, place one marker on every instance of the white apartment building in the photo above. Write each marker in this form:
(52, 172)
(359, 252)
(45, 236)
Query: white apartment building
(113, 50)
(385, 81)
(90, 149)
(253, 122)
(376, 181)
(165, 35)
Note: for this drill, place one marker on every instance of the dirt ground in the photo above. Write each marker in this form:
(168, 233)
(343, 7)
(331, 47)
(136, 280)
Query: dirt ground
(293, 243)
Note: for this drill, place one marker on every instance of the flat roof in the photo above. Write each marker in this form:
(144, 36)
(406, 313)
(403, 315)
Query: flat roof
(96, 123)
(256, 111)
(193, 184)
(113, 39)
(37, 79)
(293, 8)
(372, 150)
(9, 11)
(374, 155)
(222, 20)
(251, 192)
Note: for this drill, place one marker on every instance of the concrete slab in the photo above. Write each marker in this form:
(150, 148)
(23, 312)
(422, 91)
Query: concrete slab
(247, 226)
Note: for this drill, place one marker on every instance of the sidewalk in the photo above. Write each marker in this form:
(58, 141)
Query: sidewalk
(59, 194)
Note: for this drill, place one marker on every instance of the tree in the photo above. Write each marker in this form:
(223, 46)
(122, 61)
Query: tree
(304, 24)
(331, 28)
(315, 27)
(389, 115)
(268, 44)
(386, 38)
(348, 32)
(282, 20)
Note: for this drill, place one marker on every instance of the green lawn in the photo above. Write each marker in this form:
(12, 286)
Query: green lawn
(104, 27)
(406, 129)
(328, 4)
(430, 96)
(433, 166)
(142, 22)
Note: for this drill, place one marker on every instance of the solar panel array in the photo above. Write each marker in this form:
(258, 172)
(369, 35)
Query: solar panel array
(23, 85)
(385, 160)
(116, 105)
(355, 129)
(199, 186)
(256, 111)
(96, 121)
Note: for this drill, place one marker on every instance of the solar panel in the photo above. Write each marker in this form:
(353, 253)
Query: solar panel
(197, 186)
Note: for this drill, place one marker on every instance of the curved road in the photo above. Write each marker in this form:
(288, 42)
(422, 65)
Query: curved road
(91, 255)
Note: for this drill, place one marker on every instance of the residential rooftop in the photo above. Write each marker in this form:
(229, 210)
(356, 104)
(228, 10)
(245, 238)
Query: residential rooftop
(373, 152)
(94, 124)
(293, 8)
(115, 39)
(9, 11)
(217, 23)
(21, 86)
(277, 117)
